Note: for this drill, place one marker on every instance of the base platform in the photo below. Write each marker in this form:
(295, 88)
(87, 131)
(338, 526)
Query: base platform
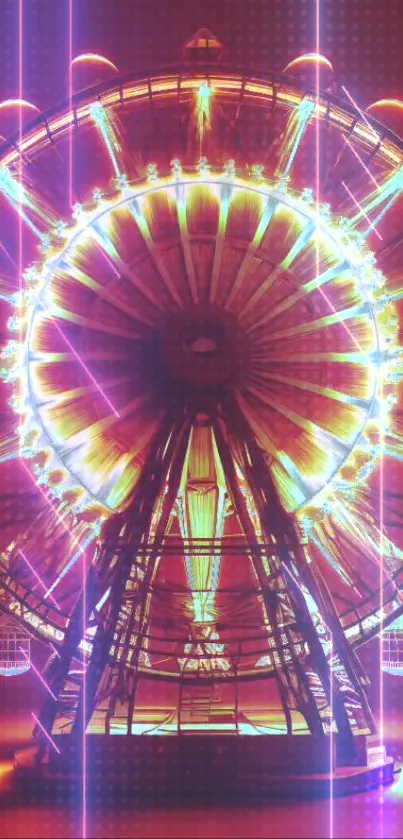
(197, 767)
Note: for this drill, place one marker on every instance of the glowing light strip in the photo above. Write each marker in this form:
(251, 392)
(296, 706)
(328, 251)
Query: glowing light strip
(317, 272)
(37, 673)
(94, 57)
(7, 457)
(317, 139)
(20, 102)
(386, 209)
(360, 160)
(363, 538)
(310, 286)
(79, 359)
(20, 258)
(359, 207)
(395, 103)
(71, 564)
(70, 98)
(35, 573)
(332, 753)
(331, 560)
(391, 189)
(332, 308)
(262, 227)
(18, 197)
(13, 262)
(102, 120)
(310, 57)
(107, 258)
(298, 245)
(303, 115)
(140, 90)
(84, 710)
(361, 113)
(184, 233)
(52, 743)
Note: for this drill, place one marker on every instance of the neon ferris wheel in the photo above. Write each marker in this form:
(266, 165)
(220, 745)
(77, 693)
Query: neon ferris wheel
(205, 378)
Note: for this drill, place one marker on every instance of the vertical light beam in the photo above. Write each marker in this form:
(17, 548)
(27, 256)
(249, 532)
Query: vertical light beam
(381, 582)
(20, 233)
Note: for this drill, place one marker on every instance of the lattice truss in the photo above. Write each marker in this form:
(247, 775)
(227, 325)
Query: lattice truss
(205, 374)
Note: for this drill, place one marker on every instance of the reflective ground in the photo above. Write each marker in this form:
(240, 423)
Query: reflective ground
(373, 814)
(357, 816)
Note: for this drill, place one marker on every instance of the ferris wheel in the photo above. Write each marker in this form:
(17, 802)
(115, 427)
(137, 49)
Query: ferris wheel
(204, 372)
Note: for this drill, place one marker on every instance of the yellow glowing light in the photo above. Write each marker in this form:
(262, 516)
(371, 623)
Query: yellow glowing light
(17, 103)
(94, 58)
(395, 104)
(252, 90)
(314, 58)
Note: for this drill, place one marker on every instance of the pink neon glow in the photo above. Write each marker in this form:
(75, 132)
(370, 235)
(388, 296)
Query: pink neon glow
(37, 673)
(85, 368)
(358, 205)
(317, 131)
(8, 255)
(54, 650)
(84, 572)
(332, 750)
(359, 158)
(317, 191)
(70, 95)
(108, 260)
(381, 599)
(35, 573)
(52, 743)
(20, 165)
(361, 112)
(84, 704)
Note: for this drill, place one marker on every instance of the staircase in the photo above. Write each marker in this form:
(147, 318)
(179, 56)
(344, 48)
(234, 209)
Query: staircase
(195, 705)
(201, 710)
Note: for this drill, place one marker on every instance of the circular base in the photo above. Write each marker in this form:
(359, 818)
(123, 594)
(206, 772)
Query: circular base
(196, 767)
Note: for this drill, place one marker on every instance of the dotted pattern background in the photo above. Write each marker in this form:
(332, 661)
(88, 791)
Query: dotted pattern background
(363, 40)
(361, 37)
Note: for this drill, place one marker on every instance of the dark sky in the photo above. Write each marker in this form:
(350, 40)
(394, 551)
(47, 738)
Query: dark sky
(361, 37)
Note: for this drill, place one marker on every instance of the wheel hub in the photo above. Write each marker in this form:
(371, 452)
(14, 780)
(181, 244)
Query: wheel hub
(205, 346)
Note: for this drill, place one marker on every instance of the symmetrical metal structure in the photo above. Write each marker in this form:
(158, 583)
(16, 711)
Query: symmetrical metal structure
(206, 368)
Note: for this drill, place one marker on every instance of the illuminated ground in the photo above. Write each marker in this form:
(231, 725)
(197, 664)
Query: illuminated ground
(369, 815)
(355, 816)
